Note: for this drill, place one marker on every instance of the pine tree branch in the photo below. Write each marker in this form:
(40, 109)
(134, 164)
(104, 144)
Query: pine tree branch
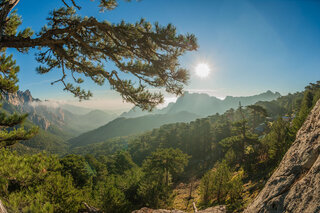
(85, 45)
(5, 8)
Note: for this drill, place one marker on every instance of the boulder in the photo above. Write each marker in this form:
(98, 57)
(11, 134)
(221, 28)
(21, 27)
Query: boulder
(295, 185)
(215, 209)
(147, 210)
(2, 208)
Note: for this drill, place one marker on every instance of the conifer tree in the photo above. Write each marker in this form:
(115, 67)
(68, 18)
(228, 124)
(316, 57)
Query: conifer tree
(215, 184)
(85, 47)
(258, 112)
(155, 188)
(10, 133)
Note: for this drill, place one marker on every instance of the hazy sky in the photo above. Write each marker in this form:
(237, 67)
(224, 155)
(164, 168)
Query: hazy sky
(251, 46)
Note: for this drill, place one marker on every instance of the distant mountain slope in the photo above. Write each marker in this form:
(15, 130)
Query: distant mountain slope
(190, 105)
(204, 105)
(45, 114)
(56, 124)
(75, 109)
(88, 121)
(50, 141)
(187, 136)
(128, 126)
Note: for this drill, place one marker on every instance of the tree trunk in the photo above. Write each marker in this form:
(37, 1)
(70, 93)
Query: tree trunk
(2, 208)
(5, 9)
(167, 176)
(194, 207)
(219, 190)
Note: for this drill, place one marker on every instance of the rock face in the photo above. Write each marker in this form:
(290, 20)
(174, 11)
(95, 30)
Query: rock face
(23, 102)
(20, 98)
(295, 185)
(215, 209)
(46, 114)
(2, 208)
(147, 210)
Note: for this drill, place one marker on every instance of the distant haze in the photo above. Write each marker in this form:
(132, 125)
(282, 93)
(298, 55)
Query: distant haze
(112, 102)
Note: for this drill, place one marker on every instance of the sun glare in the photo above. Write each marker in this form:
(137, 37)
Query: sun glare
(202, 70)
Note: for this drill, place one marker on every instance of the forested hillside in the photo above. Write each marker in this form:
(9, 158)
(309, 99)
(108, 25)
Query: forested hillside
(199, 136)
(56, 124)
(129, 126)
(124, 174)
(187, 108)
(242, 153)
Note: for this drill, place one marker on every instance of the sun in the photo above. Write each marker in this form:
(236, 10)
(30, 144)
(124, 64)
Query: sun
(202, 70)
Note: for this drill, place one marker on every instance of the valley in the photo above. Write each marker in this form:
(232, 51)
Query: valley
(120, 106)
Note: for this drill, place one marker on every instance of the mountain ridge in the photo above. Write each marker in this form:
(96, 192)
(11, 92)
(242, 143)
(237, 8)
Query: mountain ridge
(127, 126)
(193, 105)
(56, 124)
(205, 105)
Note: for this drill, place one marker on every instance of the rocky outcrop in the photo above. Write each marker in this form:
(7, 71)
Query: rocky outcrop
(20, 98)
(40, 115)
(51, 115)
(2, 208)
(295, 185)
(215, 209)
(147, 210)
(39, 121)
(88, 209)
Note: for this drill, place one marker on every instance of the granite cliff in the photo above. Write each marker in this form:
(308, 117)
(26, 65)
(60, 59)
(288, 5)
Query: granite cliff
(295, 185)
(46, 114)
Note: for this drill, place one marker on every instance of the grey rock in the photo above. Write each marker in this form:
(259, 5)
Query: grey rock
(295, 185)
(2, 208)
(215, 209)
(147, 210)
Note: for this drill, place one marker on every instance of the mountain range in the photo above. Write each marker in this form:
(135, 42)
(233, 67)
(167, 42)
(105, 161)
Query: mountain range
(204, 105)
(187, 108)
(66, 126)
(57, 124)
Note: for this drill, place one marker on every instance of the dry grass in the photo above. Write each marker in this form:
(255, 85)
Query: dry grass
(183, 201)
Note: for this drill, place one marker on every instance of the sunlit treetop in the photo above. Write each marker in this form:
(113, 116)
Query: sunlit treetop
(83, 46)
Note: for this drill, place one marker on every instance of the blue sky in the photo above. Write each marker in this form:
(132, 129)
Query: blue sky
(251, 46)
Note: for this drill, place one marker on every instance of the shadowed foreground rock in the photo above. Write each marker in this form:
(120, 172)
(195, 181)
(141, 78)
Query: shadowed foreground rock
(295, 185)
(88, 209)
(216, 209)
(147, 210)
(2, 208)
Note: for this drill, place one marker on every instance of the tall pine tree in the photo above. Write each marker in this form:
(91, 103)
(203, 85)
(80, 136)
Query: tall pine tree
(10, 132)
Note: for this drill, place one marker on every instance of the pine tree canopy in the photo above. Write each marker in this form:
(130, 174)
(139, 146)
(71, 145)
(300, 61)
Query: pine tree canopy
(9, 134)
(85, 47)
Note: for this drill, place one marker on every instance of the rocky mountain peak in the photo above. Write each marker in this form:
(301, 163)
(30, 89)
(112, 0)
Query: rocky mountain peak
(24, 103)
(20, 98)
